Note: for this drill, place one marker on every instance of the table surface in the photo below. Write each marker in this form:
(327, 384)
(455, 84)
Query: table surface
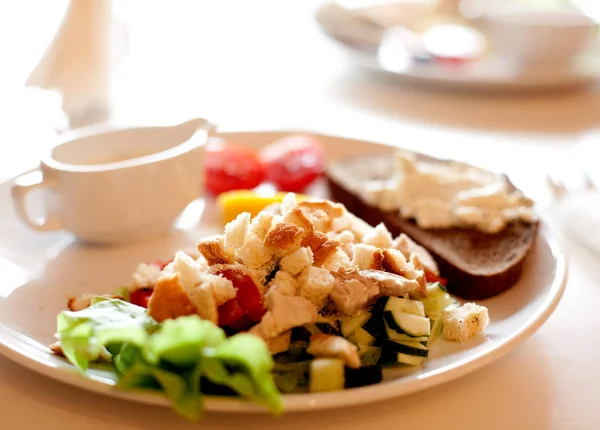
(214, 62)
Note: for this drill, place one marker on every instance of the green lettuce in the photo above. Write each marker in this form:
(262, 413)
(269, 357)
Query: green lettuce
(176, 357)
(85, 334)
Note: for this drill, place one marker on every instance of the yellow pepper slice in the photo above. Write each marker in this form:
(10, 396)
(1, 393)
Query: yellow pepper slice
(233, 203)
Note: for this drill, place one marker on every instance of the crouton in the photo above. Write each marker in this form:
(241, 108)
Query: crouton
(407, 246)
(325, 251)
(261, 224)
(297, 261)
(395, 262)
(315, 284)
(367, 257)
(235, 233)
(461, 323)
(333, 210)
(222, 288)
(297, 217)
(262, 274)
(280, 343)
(169, 299)
(284, 239)
(213, 250)
(346, 239)
(379, 237)
(337, 260)
(315, 240)
(418, 274)
(146, 275)
(288, 203)
(254, 254)
(188, 268)
(56, 349)
(286, 313)
(351, 223)
(282, 283)
(326, 345)
(319, 220)
(207, 296)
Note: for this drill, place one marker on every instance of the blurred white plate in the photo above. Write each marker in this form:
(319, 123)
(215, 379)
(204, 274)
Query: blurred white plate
(365, 44)
(39, 272)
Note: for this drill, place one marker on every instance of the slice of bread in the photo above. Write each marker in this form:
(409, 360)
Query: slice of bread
(477, 265)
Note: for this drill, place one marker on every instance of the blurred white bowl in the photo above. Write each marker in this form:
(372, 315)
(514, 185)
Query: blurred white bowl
(534, 35)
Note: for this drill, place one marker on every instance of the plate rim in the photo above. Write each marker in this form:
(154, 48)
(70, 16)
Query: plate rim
(364, 58)
(15, 346)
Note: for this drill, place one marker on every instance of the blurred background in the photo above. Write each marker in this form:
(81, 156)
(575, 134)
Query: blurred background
(444, 71)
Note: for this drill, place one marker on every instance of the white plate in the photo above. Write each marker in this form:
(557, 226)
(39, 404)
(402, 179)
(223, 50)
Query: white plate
(361, 41)
(38, 273)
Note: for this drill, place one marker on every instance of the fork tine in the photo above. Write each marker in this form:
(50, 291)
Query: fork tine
(557, 188)
(589, 183)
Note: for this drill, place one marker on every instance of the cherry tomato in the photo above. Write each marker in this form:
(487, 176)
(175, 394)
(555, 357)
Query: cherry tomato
(294, 162)
(244, 323)
(141, 297)
(230, 312)
(248, 295)
(232, 167)
(432, 277)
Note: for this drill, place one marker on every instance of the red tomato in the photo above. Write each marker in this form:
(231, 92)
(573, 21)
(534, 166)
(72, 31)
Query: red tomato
(230, 312)
(141, 297)
(232, 167)
(432, 277)
(294, 162)
(248, 295)
(244, 323)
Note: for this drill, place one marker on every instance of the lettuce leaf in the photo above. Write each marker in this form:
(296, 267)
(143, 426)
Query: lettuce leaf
(243, 362)
(174, 357)
(181, 341)
(85, 334)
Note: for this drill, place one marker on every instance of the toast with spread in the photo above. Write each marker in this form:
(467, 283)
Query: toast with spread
(477, 262)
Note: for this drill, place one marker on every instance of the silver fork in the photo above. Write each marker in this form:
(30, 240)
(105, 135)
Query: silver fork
(577, 210)
(558, 189)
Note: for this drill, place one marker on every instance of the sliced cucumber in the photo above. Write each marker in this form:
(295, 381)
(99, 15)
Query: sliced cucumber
(357, 321)
(412, 325)
(435, 289)
(411, 360)
(403, 337)
(379, 306)
(436, 329)
(387, 358)
(369, 355)
(407, 306)
(361, 337)
(437, 300)
(376, 326)
(408, 348)
(326, 374)
(365, 375)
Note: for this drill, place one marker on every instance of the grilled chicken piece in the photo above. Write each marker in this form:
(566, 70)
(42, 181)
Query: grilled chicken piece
(285, 313)
(280, 343)
(356, 289)
(326, 345)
